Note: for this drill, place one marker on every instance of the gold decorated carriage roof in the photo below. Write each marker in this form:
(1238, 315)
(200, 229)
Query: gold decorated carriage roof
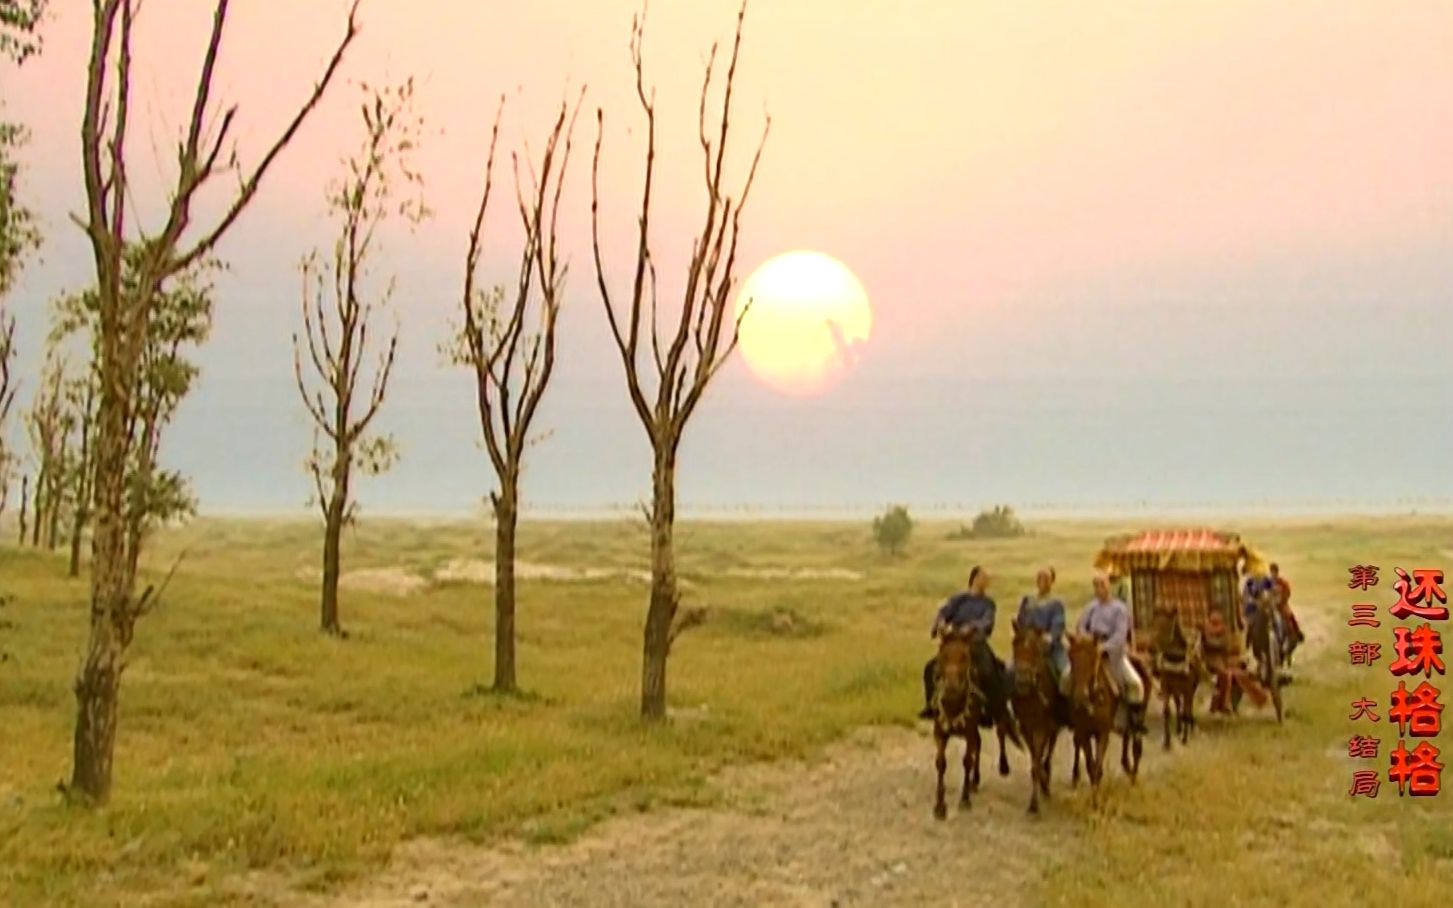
(1195, 550)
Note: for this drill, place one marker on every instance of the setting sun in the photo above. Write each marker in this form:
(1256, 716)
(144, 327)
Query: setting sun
(808, 318)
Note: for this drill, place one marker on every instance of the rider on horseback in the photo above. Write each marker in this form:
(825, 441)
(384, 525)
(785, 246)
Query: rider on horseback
(1283, 592)
(1042, 611)
(1107, 619)
(972, 608)
(1254, 590)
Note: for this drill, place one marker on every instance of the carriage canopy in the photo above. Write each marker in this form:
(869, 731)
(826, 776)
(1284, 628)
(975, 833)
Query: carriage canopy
(1193, 571)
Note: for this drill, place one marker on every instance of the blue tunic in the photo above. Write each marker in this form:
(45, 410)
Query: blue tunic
(1046, 615)
(968, 610)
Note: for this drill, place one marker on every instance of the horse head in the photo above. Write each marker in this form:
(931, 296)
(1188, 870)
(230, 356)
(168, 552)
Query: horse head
(1031, 655)
(955, 661)
(1086, 660)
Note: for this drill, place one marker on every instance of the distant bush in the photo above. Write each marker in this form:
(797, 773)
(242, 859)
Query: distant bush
(893, 529)
(998, 522)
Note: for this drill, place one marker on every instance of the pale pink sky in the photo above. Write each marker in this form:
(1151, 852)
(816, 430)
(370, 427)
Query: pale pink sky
(1024, 187)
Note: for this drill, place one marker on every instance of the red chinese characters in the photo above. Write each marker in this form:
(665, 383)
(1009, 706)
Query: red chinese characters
(1420, 596)
(1419, 650)
(1416, 772)
(1362, 708)
(1364, 653)
(1363, 576)
(1364, 615)
(1363, 747)
(1417, 712)
(1364, 783)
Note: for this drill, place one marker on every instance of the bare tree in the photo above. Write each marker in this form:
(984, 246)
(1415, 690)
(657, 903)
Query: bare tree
(336, 320)
(666, 386)
(49, 423)
(7, 401)
(512, 361)
(83, 401)
(19, 236)
(204, 153)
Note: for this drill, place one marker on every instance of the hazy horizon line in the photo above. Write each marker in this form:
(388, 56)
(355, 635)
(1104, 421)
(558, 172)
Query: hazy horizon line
(744, 512)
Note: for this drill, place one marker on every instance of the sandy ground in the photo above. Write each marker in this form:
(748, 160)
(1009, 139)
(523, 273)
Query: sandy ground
(855, 828)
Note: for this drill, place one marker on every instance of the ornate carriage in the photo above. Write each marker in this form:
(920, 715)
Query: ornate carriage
(1193, 571)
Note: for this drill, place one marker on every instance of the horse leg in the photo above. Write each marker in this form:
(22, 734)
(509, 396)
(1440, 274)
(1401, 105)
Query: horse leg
(940, 741)
(968, 775)
(1137, 747)
(1048, 761)
(1035, 742)
(1078, 746)
(1099, 745)
(1165, 713)
(1003, 760)
(1190, 713)
(1125, 750)
(974, 741)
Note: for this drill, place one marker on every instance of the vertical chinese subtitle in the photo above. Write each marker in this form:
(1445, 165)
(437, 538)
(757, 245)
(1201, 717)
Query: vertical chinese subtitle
(1417, 713)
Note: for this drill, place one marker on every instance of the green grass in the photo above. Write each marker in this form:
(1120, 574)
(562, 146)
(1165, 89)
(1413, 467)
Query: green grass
(249, 741)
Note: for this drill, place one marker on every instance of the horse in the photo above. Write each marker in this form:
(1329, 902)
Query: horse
(1034, 700)
(1094, 704)
(1178, 667)
(1267, 646)
(957, 706)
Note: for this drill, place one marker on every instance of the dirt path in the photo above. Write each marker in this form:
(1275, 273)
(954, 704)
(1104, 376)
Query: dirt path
(853, 829)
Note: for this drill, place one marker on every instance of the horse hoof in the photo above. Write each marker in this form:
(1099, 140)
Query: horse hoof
(1003, 769)
(940, 812)
(965, 804)
(1033, 808)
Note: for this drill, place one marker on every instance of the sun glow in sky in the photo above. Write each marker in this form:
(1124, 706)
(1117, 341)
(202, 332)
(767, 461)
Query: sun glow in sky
(806, 318)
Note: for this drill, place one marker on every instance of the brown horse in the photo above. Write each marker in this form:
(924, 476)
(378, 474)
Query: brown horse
(1033, 699)
(1095, 703)
(1266, 649)
(1178, 666)
(957, 705)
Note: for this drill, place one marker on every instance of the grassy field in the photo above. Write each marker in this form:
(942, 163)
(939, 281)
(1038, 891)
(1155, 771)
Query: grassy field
(250, 742)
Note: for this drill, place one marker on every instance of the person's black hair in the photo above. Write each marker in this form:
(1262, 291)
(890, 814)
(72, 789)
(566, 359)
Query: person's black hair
(1275, 566)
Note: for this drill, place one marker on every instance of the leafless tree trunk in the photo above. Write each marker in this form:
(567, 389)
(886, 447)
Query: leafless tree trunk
(125, 308)
(513, 364)
(336, 323)
(684, 357)
(24, 504)
(82, 478)
(7, 400)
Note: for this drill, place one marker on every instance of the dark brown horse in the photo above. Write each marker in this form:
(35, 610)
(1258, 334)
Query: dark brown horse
(1177, 665)
(957, 705)
(1033, 699)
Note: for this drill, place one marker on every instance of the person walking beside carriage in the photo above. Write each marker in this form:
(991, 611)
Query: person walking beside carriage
(1107, 619)
(971, 608)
